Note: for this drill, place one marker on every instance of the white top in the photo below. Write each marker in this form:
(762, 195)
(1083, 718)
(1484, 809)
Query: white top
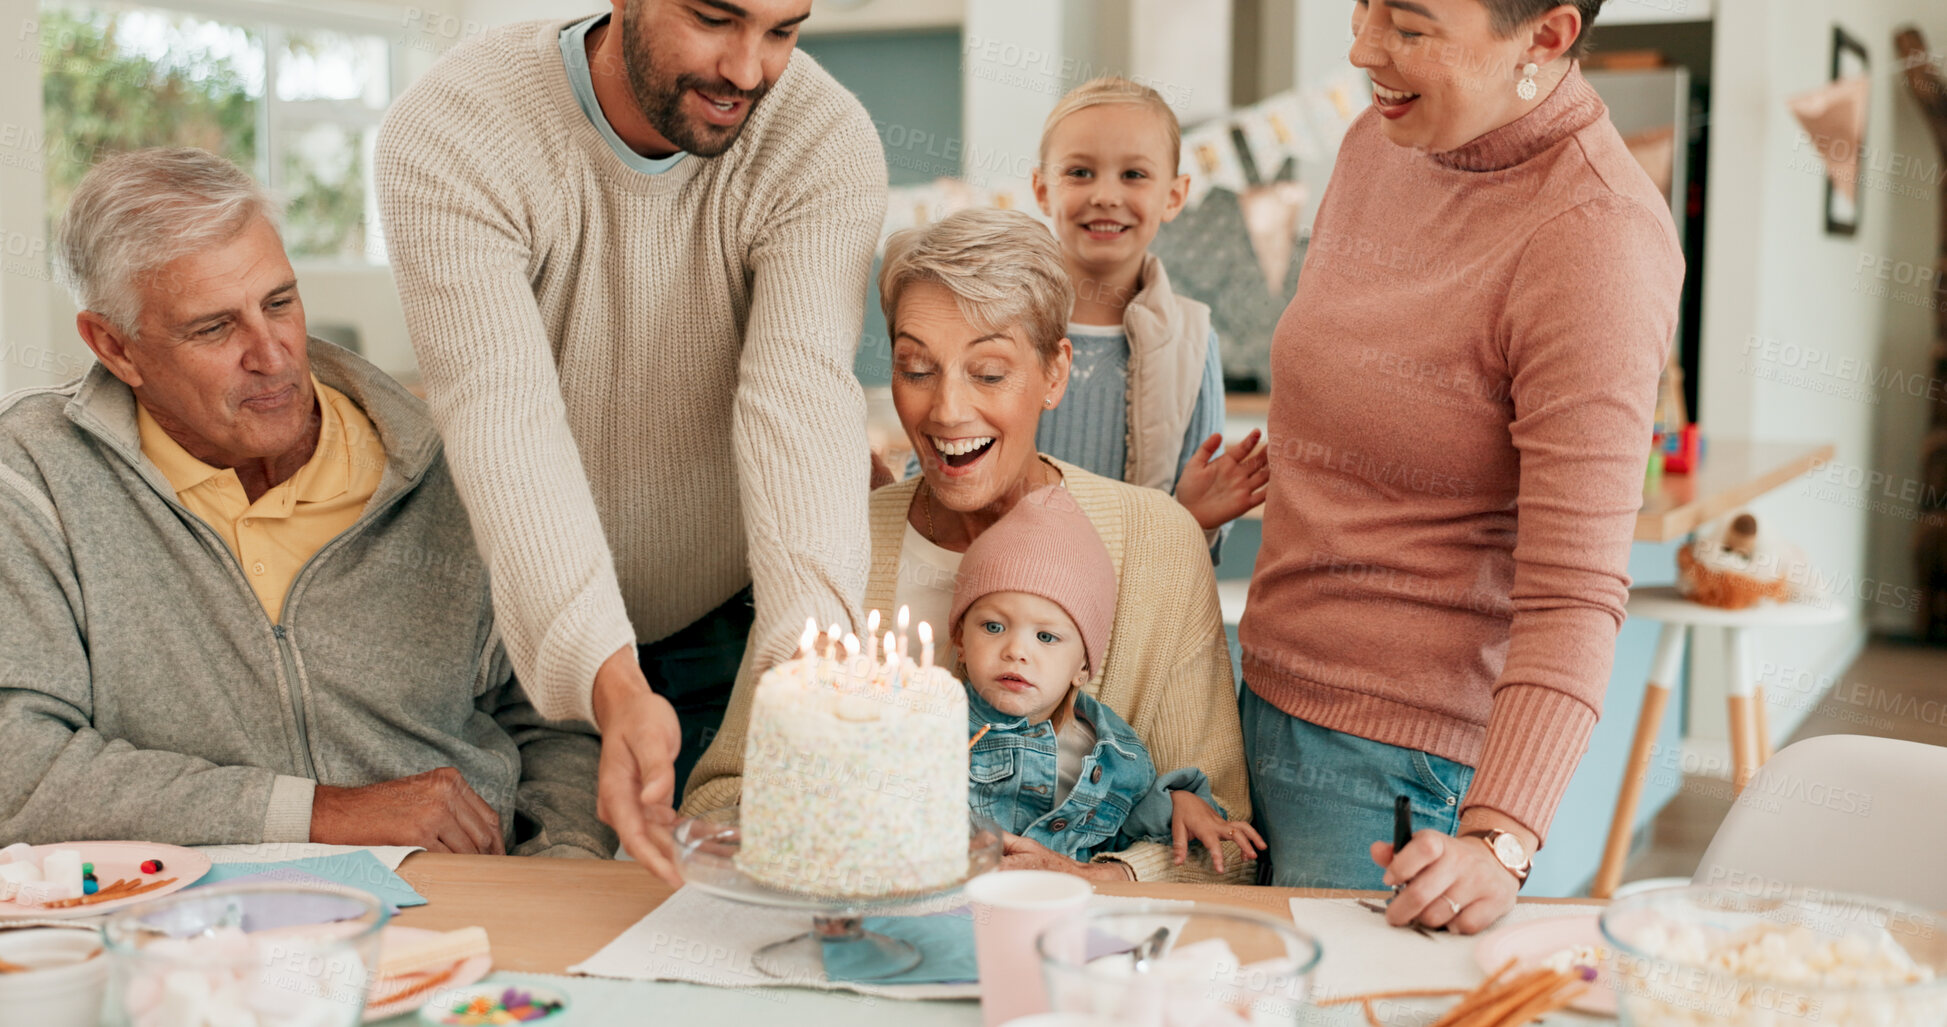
(644, 382)
(926, 577)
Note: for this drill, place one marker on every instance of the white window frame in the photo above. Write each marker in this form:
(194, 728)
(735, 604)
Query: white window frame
(272, 20)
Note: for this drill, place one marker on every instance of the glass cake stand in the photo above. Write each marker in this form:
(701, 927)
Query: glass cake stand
(706, 850)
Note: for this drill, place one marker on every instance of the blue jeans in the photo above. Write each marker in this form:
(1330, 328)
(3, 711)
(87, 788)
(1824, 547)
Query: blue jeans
(1322, 797)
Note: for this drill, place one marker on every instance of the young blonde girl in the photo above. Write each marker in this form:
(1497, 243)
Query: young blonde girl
(1145, 400)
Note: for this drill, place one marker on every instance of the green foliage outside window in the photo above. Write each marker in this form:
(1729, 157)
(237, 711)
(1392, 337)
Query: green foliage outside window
(103, 95)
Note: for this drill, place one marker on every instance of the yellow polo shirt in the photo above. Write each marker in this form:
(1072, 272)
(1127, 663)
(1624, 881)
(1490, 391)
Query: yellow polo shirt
(274, 537)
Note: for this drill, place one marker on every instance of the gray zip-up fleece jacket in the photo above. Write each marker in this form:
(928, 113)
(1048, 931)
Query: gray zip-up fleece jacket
(144, 693)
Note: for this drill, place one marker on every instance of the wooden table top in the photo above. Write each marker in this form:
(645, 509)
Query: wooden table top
(544, 915)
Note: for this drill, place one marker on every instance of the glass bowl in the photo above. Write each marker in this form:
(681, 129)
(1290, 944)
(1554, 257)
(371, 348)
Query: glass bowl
(267, 955)
(1724, 957)
(1172, 966)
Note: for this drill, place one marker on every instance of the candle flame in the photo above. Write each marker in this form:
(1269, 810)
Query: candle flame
(905, 617)
(851, 645)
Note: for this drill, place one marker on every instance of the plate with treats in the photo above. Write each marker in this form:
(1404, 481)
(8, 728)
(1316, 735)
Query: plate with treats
(418, 967)
(77, 879)
(1564, 944)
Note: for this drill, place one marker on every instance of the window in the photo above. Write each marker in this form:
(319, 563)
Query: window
(298, 105)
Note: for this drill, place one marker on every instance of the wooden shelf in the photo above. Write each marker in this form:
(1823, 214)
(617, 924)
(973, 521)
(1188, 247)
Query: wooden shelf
(1733, 472)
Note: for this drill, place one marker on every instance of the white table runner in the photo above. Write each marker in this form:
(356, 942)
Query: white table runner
(1363, 955)
(700, 939)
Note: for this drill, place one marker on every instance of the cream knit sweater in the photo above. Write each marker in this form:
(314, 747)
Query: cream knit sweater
(644, 381)
(1168, 672)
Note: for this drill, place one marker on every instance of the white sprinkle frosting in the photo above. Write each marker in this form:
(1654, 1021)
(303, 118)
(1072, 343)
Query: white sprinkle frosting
(855, 778)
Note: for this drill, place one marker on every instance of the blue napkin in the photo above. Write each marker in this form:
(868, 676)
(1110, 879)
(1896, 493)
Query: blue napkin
(945, 942)
(360, 870)
(946, 946)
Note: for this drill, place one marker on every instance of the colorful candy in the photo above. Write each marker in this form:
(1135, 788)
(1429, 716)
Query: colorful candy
(152, 866)
(514, 1006)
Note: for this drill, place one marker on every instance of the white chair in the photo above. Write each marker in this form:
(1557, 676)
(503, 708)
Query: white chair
(1744, 696)
(1840, 812)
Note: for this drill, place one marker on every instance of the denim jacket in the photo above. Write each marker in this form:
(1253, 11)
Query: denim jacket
(1117, 800)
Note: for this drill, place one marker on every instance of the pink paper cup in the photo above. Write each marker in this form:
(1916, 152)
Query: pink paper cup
(1010, 909)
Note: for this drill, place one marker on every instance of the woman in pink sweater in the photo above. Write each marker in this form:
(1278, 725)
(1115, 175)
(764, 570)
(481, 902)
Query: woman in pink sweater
(1460, 415)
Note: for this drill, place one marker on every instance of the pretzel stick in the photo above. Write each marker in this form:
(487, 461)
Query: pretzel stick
(1378, 995)
(13, 968)
(1485, 996)
(1495, 977)
(121, 884)
(138, 890)
(1516, 996)
(1535, 1009)
(1372, 1018)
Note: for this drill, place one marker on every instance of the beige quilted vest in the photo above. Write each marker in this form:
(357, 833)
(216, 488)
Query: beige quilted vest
(1169, 341)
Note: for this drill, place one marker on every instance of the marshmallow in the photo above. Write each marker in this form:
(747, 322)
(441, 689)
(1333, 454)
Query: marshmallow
(186, 998)
(20, 873)
(19, 852)
(40, 893)
(63, 867)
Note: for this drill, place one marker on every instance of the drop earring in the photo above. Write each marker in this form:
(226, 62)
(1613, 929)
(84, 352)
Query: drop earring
(1527, 89)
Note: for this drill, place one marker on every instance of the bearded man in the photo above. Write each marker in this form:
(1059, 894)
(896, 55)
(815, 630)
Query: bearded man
(633, 251)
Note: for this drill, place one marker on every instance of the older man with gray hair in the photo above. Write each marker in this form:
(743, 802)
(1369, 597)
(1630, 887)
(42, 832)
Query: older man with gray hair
(244, 602)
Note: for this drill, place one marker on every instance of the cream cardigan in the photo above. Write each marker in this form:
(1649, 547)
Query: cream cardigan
(1168, 672)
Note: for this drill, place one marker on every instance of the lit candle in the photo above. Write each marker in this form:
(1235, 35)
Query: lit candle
(925, 644)
(905, 617)
(810, 635)
(851, 654)
(872, 637)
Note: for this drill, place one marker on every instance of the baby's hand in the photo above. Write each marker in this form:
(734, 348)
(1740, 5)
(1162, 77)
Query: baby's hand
(1191, 817)
(1218, 488)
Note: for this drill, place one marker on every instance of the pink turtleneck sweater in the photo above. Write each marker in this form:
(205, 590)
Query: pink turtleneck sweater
(1460, 416)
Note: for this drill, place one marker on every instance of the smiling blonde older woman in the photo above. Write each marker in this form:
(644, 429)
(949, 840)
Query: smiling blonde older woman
(978, 305)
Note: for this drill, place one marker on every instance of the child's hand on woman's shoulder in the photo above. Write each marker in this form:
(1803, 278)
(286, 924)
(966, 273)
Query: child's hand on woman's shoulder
(1191, 817)
(1218, 488)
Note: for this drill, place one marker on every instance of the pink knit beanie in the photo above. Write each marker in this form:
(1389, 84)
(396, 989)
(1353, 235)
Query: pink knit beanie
(1045, 546)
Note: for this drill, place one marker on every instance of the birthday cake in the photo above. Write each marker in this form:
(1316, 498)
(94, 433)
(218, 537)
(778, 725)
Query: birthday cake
(855, 776)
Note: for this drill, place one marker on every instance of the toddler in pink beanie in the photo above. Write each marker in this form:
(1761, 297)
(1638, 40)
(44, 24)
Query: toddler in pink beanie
(1031, 616)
